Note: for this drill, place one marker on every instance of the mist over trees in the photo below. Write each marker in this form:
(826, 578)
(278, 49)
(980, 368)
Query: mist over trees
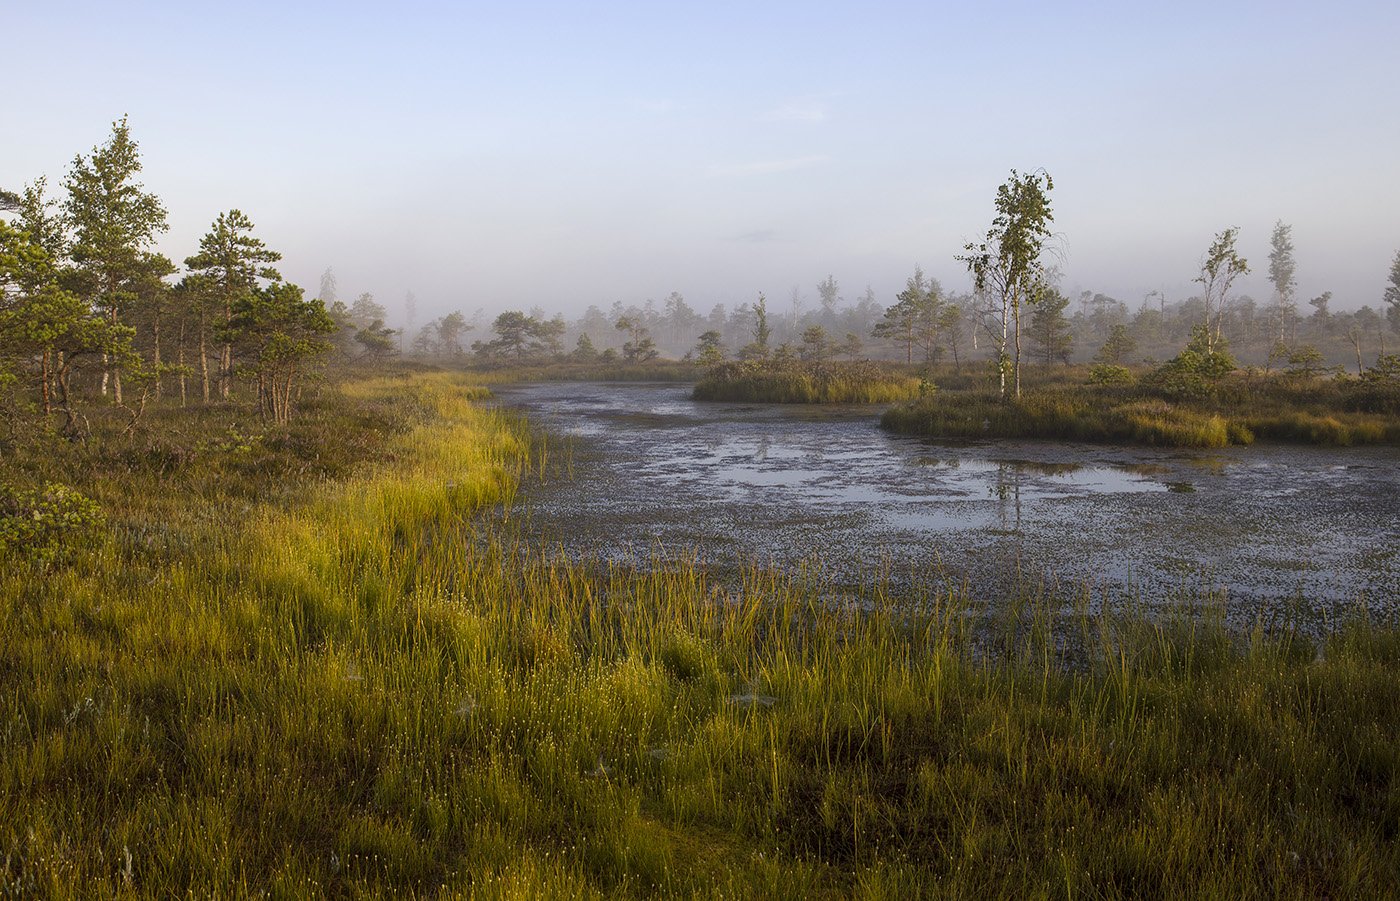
(90, 312)
(924, 323)
(1016, 295)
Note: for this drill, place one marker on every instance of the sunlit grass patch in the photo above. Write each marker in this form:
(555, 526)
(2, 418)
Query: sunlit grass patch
(1241, 412)
(365, 686)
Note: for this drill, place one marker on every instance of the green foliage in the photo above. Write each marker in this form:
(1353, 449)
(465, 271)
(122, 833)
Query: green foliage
(1386, 371)
(377, 340)
(225, 277)
(1050, 331)
(1007, 265)
(758, 348)
(232, 259)
(1110, 374)
(1119, 344)
(709, 350)
(584, 351)
(47, 526)
(520, 337)
(1281, 273)
(442, 337)
(48, 333)
(114, 219)
(816, 344)
(916, 317)
(1220, 267)
(1377, 390)
(1392, 294)
(281, 333)
(639, 346)
(1306, 362)
(1196, 372)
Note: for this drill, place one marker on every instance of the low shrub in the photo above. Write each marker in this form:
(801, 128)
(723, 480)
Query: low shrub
(49, 525)
(1195, 373)
(1110, 374)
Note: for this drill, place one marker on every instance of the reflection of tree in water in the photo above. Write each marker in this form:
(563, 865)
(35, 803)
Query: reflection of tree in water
(1008, 493)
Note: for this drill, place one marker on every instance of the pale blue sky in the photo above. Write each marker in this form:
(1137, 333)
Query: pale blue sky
(558, 154)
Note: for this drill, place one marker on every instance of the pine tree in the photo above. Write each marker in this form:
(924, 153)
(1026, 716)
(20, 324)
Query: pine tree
(231, 264)
(113, 220)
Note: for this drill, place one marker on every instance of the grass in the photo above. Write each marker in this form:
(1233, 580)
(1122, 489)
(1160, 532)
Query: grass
(360, 685)
(1062, 406)
(598, 371)
(768, 381)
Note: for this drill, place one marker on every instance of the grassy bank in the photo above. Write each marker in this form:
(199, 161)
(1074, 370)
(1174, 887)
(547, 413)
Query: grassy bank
(269, 677)
(651, 371)
(772, 382)
(1242, 410)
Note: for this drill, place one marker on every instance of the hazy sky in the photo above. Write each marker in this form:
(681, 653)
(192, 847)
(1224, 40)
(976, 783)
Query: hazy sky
(562, 154)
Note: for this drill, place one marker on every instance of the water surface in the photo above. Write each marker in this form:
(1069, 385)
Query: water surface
(1316, 529)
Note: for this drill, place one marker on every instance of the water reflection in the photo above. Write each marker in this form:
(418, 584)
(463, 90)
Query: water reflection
(781, 484)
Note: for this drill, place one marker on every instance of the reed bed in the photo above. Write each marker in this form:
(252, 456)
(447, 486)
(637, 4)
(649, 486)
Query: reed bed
(774, 382)
(1124, 415)
(367, 688)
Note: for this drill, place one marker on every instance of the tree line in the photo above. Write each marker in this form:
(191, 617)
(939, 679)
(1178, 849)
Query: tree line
(1015, 313)
(90, 310)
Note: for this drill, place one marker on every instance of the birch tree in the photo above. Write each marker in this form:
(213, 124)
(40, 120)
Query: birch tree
(1006, 266)
(1220, 267)
(1281, 271)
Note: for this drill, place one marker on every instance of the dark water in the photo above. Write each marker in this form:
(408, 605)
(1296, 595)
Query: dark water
(1315, 529)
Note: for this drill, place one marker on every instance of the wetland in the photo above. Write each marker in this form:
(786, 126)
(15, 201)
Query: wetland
(1268, 528)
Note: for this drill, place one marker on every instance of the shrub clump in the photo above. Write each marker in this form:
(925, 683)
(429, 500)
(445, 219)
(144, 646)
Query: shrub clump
(1195, 373)
(1110, 374)
(48, 525)
(1377, 390)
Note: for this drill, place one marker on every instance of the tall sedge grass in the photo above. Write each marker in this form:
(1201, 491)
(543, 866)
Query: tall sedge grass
(1121, 414)
(372, 689)
(806, 383)
(596, 371)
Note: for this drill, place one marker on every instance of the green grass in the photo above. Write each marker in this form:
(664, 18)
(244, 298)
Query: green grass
(806, 383)
(362, 686)
(600, 371)
(1061, 405)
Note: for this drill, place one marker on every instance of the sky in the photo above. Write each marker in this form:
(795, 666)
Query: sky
(504, 156)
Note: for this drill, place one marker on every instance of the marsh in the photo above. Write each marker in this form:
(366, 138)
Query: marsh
(1308, 530)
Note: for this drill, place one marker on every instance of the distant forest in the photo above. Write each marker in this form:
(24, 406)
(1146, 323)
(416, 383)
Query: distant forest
(89, 308)
(923, 323)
